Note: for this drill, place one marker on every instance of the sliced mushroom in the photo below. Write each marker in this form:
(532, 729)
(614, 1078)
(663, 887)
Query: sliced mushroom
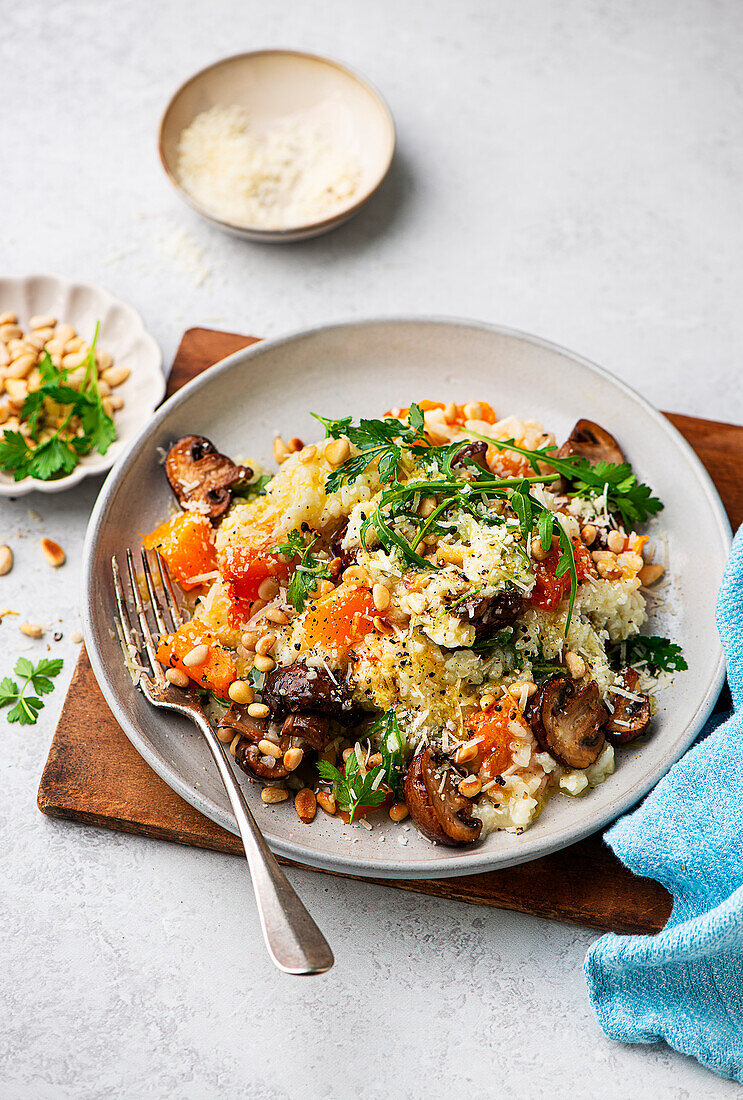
(256, 764)
(476, 452)
(313, 729)
(489, 614)
(567, 720)
(201, 477)
(299, 688)
(631, 717)
(589, 440)
(435, 804)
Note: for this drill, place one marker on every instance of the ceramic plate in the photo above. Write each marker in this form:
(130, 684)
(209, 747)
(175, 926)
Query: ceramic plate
(122, 334)
(276, 86)
(364, 368)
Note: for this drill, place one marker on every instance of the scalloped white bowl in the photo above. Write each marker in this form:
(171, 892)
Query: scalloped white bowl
(122, 334)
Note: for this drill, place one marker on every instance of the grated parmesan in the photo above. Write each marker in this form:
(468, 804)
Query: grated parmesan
(275, 179)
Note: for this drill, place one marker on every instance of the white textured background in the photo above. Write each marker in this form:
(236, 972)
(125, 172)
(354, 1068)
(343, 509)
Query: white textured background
(573, 169)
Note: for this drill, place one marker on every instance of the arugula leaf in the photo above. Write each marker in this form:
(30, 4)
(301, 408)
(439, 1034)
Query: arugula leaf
(659, 654)
(309, 570)
(39, 677)
(352, 790)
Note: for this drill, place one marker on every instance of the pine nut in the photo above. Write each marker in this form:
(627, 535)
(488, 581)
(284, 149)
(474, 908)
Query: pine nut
(449, 554)
(255, 607)
(272, 795)
(4, 355)
(426, 506)
(116, 376)
(354, 575)
(234, 743)
(40, 336)
(268, 589)
(258, 710)
(630, 561)
(196, 657)
(615, 542)
(265, 644)
(264, 664)
(240, 692)
(295, 444)
(588, 534)
(17, 390)
(575, 665)
(305, 804)
(177, 678)
(73, 360)
(107, 406)
(55, 347)
(450, 413)
(274, 615)
(473, 411)
(103, 388)
(6, 560)
(8, 317)
(326, 802)
(270, 748)
(280, 450)
(116, 402)
(53, 553)
(467, 752)
(417, 603)
(76, 344)
(337, 451)
(308, 453)
(10, 331)
(649, 574)
(374, 760)
(486, 701)
(516, 690)
(226, 734)
(398, 811)
(249, 641)
(21, 366)
(292, 759)
(104, 359)
(538, 552)
(31, 630)
(42, 320)
(64, 332)
(346, 754)
(470, 787)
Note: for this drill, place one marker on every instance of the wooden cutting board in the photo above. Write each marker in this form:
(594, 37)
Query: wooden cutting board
(93, 774)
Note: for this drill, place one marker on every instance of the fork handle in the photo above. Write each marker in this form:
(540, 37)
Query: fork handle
(294, 941)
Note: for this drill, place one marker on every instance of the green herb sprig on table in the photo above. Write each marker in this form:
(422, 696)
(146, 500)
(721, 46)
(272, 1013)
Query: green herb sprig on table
(60, 454)
(39, 677)
(309, 570)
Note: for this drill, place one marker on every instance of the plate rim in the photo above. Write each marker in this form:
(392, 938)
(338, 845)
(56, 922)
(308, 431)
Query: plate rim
(476, 861)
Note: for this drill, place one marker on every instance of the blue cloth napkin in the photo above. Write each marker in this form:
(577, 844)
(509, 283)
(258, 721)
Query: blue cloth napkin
(685, 985)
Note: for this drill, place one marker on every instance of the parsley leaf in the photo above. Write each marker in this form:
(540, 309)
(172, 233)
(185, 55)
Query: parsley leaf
(352, 789)
(39, 677)
(308, 571)
(378, 440)
(658, 654)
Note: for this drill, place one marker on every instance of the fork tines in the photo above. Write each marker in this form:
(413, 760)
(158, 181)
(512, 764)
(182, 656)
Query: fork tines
(153, 604)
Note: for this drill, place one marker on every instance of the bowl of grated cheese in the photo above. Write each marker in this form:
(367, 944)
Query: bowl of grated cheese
(276, 145)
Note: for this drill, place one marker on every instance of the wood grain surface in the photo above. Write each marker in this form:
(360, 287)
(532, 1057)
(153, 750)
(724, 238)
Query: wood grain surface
(93, 774)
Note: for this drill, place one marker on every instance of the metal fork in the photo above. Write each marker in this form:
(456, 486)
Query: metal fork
(294, 942)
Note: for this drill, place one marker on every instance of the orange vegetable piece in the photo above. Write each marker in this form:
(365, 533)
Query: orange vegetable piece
(492, 726)
(186, 544)
(246, 564)
(341, 618)
(217, 671)
(488, 413)
(550, 589)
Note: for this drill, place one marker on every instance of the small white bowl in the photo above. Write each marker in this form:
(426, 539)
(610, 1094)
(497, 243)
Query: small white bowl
(122, 334)
(272, 86)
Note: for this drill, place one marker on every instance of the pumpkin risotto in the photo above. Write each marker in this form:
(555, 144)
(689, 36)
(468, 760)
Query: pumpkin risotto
(434, 613)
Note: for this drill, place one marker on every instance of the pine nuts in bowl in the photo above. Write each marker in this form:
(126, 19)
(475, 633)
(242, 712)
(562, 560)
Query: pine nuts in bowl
(50, 319)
